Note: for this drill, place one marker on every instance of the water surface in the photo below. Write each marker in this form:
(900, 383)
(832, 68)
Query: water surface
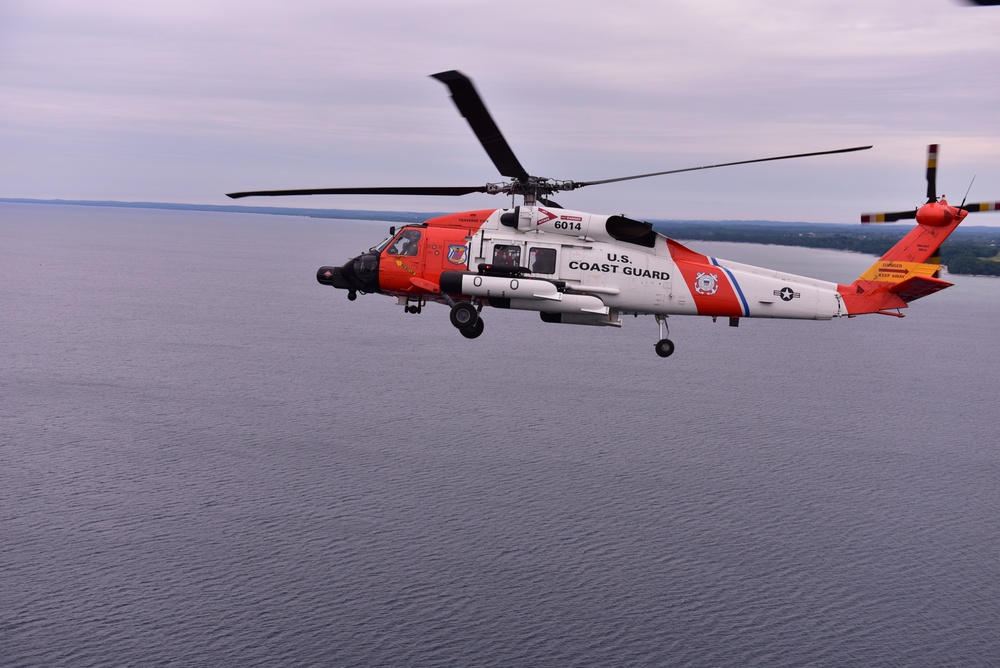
(207, 458)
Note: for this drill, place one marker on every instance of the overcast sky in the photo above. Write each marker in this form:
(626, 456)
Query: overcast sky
(183, 101)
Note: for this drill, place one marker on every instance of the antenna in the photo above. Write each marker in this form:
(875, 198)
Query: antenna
(962, 205)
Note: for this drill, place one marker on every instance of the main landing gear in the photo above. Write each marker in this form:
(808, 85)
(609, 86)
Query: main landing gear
(664, 347)
(474, 331)
(465, 317)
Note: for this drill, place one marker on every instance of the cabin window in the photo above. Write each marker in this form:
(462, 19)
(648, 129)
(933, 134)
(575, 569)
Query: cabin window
(405, 244)
(542, 260)
(506, 256)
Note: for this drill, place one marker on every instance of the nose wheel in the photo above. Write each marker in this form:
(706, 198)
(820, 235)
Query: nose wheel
(664, 347)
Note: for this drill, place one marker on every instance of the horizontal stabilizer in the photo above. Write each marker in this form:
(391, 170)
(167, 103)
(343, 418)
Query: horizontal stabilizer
(916, 287)
(897, 271)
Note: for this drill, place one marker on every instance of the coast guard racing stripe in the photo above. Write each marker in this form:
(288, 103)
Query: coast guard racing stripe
(713, 287)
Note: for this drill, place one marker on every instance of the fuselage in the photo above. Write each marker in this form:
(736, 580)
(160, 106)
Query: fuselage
(622, 264)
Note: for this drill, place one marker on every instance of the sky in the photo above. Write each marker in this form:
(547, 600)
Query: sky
(184, 101)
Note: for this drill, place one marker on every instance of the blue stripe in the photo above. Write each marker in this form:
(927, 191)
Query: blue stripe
(739, 290)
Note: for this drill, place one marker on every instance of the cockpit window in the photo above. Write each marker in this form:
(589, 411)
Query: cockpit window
(381, 246)
(506, 256)
(405, 243)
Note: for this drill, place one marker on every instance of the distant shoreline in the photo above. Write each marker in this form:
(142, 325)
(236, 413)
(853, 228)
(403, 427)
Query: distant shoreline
(970, 250)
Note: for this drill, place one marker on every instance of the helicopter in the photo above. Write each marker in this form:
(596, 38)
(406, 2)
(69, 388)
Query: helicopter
(575, 267)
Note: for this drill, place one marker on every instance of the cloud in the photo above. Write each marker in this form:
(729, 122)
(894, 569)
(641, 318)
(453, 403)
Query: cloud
(218, 95)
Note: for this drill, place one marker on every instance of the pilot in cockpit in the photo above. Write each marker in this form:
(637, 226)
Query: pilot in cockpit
(405, 243)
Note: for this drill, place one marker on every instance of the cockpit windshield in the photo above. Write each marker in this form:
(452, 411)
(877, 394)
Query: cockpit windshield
(381, 246)
(405, 243)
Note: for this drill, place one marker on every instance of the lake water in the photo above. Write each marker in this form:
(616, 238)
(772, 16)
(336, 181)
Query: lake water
(207, 458)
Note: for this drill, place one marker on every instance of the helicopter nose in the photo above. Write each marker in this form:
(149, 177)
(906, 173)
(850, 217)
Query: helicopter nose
(333, 276)
(357, 274)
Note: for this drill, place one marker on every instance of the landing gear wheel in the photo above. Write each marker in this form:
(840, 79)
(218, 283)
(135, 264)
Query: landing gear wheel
(664, 347)
(464, 315)
(474, 331)
(352, 295)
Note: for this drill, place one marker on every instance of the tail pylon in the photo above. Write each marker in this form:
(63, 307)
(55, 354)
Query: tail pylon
(910, 269)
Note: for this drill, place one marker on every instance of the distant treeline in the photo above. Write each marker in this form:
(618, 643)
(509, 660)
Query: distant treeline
(967, 251)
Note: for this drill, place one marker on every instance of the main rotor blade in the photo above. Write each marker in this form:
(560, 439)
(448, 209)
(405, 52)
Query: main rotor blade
(581, 184)
(419, 190)
(471, 106)
(932, 155)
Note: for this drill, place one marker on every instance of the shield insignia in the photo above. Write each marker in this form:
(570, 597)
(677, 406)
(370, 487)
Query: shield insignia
(457, 254)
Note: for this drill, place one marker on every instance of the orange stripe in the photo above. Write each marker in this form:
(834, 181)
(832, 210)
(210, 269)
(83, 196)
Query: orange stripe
(709, 284)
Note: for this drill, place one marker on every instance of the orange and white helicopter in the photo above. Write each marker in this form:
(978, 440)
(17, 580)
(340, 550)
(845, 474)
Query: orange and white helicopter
(581, 268)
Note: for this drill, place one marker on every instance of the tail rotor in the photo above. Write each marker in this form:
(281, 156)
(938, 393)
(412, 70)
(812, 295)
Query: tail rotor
(934, 207)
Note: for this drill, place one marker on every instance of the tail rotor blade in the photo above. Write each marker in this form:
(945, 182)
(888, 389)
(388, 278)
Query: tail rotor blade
(981, 206)
(932, 157)
(878, 218)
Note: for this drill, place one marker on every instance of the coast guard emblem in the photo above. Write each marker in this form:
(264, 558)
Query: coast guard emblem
(706, 284)
(457, 254)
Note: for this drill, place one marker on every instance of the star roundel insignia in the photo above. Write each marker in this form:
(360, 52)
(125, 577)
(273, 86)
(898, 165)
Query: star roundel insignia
(786, 294)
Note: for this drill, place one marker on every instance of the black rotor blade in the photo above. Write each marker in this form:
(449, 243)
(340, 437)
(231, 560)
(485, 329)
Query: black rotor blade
(981, 206)
(871, 218)
(471, 106)
(549, 202)
(581, 184)
(932, 156)
(419, 190)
